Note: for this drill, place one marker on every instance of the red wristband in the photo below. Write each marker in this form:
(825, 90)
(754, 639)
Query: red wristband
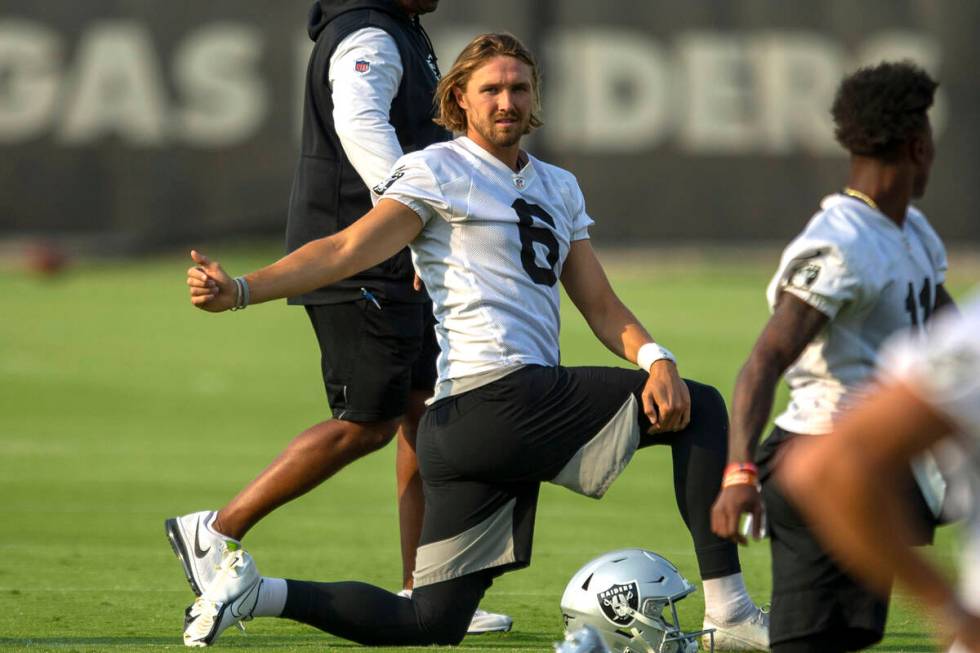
(740, 474)
(742, 467)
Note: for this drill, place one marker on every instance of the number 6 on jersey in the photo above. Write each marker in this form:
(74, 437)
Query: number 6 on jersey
(530, 235)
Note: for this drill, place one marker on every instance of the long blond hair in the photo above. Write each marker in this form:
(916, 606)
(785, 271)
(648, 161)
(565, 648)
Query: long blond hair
(480, 50)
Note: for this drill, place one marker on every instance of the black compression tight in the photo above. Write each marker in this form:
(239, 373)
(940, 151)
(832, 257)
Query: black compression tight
(369, 615)
(699, 454)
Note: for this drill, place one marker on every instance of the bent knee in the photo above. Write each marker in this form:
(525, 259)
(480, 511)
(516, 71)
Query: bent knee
(375, 435)
(445, 616)
(357, 438)
(707, 400)
(446, 630)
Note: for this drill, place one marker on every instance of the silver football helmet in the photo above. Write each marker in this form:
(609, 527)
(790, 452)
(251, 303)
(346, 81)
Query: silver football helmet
(624, 595)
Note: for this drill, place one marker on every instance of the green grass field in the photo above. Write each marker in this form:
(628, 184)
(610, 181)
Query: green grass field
(120, 406)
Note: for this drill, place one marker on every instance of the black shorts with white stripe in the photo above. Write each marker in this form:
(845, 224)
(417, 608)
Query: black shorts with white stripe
(484, 453)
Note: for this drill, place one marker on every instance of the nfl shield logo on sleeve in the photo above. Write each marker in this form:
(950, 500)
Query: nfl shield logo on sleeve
(362, 66)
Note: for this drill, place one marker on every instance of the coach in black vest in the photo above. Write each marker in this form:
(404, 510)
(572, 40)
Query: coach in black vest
(369, 88)
(328, 194)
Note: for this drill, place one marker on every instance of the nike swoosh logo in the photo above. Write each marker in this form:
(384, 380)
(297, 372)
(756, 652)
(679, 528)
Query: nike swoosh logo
(242, 600)
(198, 551)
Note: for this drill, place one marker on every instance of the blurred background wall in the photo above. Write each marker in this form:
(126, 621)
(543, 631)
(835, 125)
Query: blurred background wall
(144, 123)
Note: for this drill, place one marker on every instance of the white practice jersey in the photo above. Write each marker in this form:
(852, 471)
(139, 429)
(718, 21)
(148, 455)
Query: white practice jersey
(872, 278)
(490, 254)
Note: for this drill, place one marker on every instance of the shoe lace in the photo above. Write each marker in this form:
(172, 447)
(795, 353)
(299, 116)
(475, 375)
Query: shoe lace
(761, 615)
(232, 560)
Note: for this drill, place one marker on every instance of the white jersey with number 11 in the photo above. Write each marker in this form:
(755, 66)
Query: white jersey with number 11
(872, 278)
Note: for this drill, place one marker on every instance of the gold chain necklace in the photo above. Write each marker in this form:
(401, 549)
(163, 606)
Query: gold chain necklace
(858, 195)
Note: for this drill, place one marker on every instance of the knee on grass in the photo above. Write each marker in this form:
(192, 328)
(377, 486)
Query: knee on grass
(446, 627)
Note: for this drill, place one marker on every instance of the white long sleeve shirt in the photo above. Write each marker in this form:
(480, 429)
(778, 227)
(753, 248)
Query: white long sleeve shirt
(365, 73)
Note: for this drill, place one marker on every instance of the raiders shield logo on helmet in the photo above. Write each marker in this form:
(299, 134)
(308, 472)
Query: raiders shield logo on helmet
(619, 602)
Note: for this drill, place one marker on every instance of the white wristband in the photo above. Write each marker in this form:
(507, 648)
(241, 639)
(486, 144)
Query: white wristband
(650, 353)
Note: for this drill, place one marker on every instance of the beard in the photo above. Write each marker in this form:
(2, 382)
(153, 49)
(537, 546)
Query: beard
(500, 135)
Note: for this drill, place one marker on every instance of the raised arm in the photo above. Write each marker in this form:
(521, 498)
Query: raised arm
(379, 235)
(666, 399)
(793, 325)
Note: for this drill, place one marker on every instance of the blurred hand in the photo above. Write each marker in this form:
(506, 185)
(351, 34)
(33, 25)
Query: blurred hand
(210, 286)
(666, 399)
(968, 635)
(732, 501)
(417, 283)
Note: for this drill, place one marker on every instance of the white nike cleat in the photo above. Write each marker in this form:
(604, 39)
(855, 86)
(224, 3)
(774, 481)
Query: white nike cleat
(482, 622)
(231, 599)
(750, 634)
(199, 549)
(489, 622)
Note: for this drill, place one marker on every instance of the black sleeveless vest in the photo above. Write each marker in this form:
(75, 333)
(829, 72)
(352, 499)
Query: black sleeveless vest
(327, 193)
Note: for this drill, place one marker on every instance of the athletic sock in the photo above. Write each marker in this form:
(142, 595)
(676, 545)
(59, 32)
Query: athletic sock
(405, 593)
(272, 597)
(726, 601)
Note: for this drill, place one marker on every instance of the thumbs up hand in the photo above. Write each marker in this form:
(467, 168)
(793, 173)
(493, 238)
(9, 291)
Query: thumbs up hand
(211, 289)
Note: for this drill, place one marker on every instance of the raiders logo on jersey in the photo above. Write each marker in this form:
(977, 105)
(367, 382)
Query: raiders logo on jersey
(804, 276)
(397, 174)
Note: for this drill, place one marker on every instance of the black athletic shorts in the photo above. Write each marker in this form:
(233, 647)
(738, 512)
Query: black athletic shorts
(373, 357)
(811, 595)
(484, 453)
